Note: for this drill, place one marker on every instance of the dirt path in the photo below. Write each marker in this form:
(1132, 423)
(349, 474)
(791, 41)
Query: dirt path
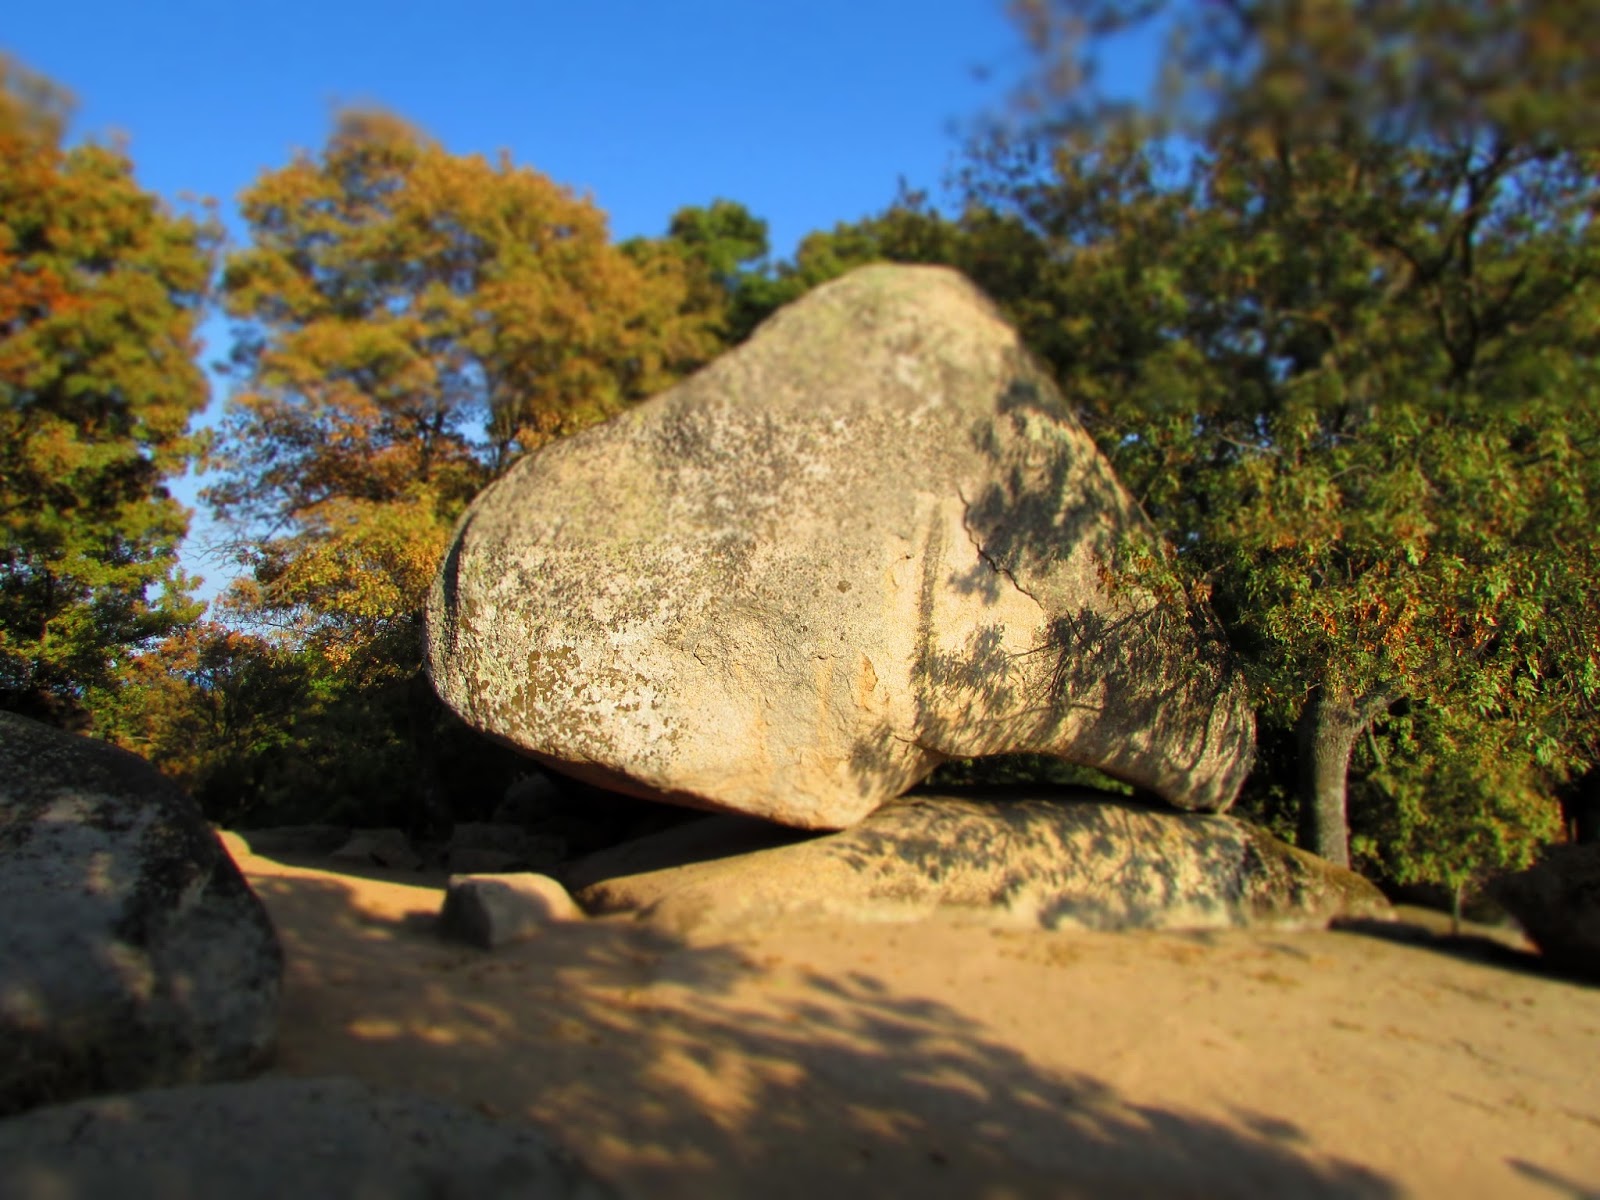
(943, 1060)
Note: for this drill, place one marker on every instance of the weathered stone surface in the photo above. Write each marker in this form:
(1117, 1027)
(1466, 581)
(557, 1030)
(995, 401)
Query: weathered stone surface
(869, 539)
(1557, 903)
(313, 1139)
(489, 911)
(132, 952)
(379, 848)
(1079, 860)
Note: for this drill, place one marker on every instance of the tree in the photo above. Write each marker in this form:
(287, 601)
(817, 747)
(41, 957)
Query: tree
(1444, 802)
(996, 251)
(100, 293)
(724, 248)
(219, 711)
(1330, 305)
(395, 300)
(410, 322)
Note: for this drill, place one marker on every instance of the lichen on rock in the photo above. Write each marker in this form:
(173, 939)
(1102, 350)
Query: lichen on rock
(871, 539)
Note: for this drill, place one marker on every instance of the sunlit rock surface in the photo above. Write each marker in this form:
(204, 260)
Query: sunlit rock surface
(1078, 860)
(870, 539)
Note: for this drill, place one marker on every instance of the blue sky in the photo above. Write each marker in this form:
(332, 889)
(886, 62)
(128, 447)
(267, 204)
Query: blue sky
(809, 113)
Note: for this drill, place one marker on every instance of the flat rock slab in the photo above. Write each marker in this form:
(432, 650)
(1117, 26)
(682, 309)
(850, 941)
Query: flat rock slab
(1079, 860)
(870, 539)
(132, 952)
(309, 1139)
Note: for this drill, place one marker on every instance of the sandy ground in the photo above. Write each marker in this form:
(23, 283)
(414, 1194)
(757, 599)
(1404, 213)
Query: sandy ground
(946, 1060)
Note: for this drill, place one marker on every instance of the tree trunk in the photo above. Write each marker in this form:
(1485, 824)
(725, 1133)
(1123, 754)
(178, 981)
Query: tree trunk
(1329, 727)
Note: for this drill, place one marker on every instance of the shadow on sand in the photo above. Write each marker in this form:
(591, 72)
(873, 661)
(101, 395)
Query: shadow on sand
(686, 1070)
(1491, 948)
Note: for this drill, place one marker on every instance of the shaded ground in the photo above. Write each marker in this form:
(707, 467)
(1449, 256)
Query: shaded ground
(944, 1060)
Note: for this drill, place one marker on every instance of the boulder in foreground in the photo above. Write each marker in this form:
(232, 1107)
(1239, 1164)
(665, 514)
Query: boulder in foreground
(132, 952)
(870, 539)
(1082, 860)
(311, 1139)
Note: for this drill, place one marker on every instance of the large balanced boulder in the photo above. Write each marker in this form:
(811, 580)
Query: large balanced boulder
(1078, 860)
(132, 952)
(312, 1139)
(870, 539)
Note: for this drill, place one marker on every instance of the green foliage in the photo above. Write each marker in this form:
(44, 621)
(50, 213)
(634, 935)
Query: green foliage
(100, 291)
(729, 249)
(722, 252)
(394, 298)
(1270, 797)
(1450, 801)
(1409, 71)
(1339, 339)
(726, 239)
(213, 708)
(263, 732)
(410, 321)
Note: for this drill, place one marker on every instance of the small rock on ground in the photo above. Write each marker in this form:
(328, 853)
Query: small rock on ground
(489, 911)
